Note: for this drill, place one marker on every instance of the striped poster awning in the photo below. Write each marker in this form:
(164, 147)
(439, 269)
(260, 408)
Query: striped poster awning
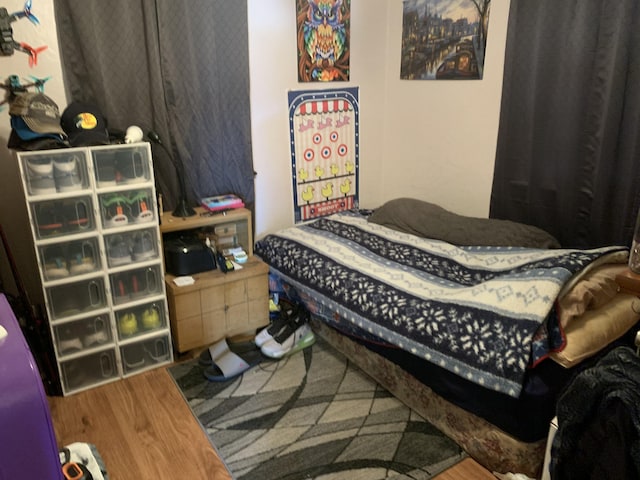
(324, 106)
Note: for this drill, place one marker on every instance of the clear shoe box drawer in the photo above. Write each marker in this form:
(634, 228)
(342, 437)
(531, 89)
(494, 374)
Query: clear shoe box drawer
(68, 259)
(131, 247)
(121, 166)
(127, 207)
(141, 319)
(76, 336)
(135, 284)
(76, 298)
(50, 173)
(89, 370)
(144, 354)
(54, 218)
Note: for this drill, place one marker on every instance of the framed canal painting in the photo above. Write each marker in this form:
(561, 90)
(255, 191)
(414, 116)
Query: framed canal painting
(444, 39)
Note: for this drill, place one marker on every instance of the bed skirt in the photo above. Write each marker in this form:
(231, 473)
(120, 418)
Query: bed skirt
(494, 449)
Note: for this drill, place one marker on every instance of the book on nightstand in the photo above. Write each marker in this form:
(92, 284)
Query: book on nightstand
(222, 202)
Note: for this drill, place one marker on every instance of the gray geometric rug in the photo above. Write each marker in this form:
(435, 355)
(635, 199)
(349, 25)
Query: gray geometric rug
(313, 415)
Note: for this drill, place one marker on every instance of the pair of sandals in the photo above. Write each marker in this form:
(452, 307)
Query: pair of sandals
(223, 363)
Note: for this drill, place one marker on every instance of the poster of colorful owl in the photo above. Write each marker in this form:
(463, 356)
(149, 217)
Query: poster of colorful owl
(323, 31)
(324, 126)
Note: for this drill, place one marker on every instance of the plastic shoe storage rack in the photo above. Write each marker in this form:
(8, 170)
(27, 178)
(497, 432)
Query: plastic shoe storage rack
(94, 222)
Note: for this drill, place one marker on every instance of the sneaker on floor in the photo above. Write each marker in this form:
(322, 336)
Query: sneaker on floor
(288, 312)
(286, 343)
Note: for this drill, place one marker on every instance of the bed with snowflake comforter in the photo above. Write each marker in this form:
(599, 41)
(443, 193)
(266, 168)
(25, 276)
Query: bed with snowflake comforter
(483, 314)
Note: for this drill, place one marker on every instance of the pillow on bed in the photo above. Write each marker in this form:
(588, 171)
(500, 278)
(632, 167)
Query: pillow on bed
(594, 329)
(432, 221)
(594, 290)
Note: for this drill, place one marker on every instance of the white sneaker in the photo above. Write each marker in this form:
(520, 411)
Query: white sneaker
(277, 347)
(288, 314)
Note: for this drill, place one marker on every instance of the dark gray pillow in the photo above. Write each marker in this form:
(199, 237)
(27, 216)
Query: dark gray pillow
(427, 220)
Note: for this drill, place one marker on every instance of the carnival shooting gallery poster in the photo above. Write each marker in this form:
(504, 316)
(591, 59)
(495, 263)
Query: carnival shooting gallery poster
(323, 127)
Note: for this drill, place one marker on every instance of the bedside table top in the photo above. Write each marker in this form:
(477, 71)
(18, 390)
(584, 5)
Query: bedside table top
(202, 218)
(253, 267)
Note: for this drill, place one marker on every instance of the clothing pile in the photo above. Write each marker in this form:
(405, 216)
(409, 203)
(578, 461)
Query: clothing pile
(599, 421)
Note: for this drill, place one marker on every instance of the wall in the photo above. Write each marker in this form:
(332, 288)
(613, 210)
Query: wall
(13, 211)
(433, 140)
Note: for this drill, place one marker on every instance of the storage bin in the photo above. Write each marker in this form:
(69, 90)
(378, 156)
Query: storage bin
(75, 298)
(141, 319)
(145, 354)
(66, 216)
(81, 335)
(132, 285)
(89, 370)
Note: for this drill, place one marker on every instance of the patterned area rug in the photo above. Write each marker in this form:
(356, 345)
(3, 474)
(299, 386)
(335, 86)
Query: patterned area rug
(313, 416)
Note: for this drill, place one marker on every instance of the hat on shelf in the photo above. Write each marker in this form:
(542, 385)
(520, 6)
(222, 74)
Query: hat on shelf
(35, 123)
(85, 125)
(39, 112)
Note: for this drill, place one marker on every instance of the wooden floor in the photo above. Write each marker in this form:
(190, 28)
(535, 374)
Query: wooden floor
(144, 429)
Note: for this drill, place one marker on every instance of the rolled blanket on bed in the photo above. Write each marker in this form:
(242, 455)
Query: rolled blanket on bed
(427, 220)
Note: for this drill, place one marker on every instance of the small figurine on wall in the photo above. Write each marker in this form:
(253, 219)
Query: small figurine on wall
(7, 44)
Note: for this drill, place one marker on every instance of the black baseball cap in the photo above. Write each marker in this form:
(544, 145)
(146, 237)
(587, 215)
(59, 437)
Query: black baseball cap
(84, 125)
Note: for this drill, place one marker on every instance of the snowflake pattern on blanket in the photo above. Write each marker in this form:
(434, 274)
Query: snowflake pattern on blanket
(472, 310)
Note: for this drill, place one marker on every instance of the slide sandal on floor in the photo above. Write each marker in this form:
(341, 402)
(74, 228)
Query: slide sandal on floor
(227, 365)
(239, 348)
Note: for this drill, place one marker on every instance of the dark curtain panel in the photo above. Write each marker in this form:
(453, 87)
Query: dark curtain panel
(568, 154)
(178, 67)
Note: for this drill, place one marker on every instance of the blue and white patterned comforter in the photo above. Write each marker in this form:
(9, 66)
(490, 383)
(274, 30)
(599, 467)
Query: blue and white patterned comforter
(475, 311)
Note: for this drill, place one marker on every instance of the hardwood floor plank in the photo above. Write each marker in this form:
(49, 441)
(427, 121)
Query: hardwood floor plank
(467, 469)
(142, 428)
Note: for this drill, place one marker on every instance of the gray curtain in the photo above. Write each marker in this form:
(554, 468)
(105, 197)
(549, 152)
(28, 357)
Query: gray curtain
(178, 67)
(568, 153)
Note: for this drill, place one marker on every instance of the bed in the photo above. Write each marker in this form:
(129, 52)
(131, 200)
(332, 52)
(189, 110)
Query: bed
(477, 324)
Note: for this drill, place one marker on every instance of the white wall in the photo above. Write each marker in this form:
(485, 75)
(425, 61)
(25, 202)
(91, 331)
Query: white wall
(433, 140)
(13, 211)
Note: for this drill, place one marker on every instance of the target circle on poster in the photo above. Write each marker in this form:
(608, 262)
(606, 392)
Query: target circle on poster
(317, 138)
(325, 152)
(309, 154)
(333, 136)
(343, 150)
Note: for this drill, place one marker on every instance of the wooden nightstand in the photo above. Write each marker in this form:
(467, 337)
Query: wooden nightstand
(217, 305)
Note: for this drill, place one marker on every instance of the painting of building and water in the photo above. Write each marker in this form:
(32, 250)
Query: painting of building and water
(444, 39)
